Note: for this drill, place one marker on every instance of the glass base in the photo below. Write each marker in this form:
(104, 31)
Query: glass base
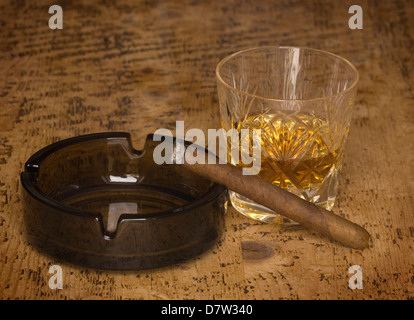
(261, 213)
(256, 211)
(323, 195)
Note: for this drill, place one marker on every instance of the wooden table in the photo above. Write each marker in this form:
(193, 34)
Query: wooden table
(137, 67)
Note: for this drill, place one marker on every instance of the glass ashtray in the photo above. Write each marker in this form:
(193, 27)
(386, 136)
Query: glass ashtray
(95, 201)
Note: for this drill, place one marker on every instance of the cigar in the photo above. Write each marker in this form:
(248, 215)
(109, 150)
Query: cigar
(284, 203)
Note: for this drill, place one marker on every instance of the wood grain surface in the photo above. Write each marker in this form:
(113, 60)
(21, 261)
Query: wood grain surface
(137, 66)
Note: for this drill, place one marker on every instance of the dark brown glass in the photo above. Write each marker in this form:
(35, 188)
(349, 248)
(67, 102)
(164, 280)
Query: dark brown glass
(93, 200)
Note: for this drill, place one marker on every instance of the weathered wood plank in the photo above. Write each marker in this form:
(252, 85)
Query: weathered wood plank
(124, 66)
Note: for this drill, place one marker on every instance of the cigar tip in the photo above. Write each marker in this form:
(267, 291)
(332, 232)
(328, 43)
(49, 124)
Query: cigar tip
(363, 239)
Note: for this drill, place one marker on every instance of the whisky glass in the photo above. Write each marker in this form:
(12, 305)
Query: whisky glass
(301, 99)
